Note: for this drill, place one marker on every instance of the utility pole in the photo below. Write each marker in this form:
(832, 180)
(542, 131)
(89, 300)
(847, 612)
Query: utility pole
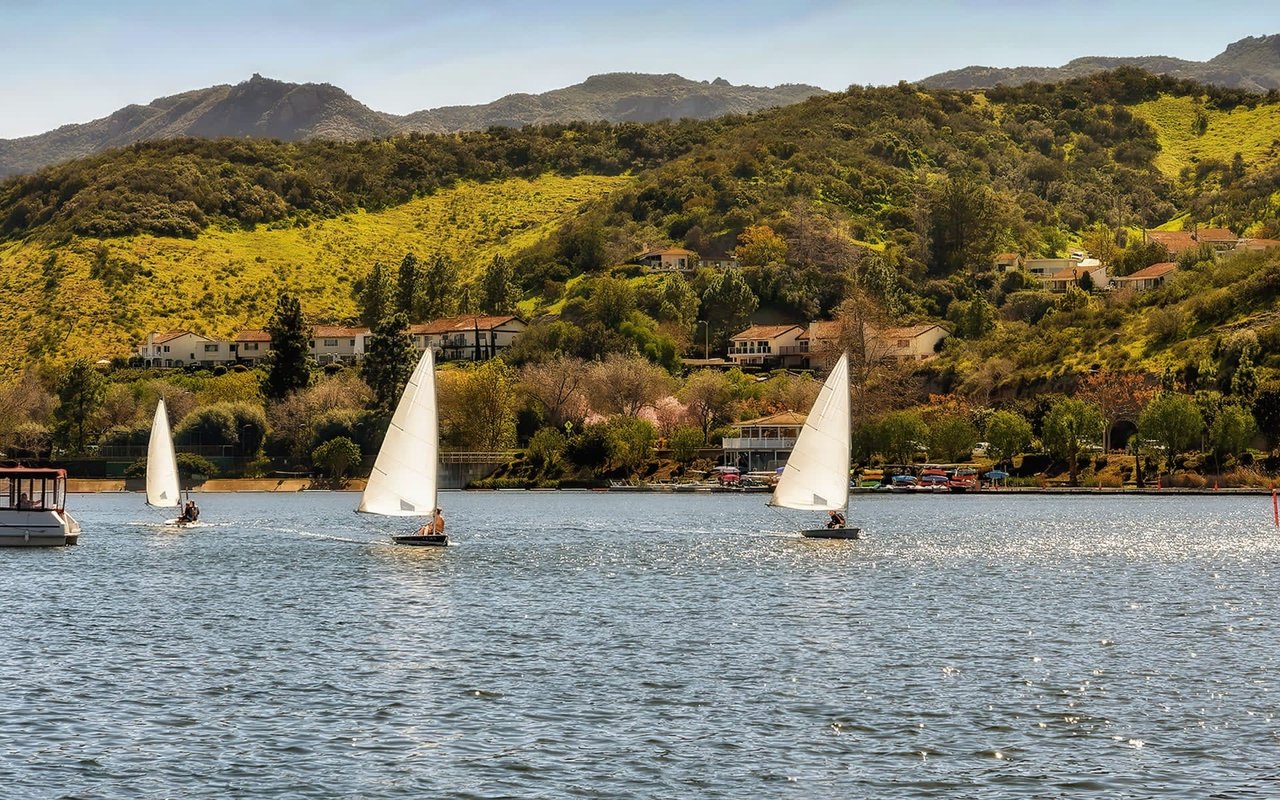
(706, 341)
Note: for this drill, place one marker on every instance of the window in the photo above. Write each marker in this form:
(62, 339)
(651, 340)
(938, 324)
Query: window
(166, 348)
(211, 348)
(249, 346)
(904, 343)
(330, 342)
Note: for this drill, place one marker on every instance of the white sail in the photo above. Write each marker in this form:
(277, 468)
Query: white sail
(403, 482)
(816, 477)
(162, 463)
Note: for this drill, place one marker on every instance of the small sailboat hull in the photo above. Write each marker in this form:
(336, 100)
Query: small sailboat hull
(423, 540)
(832, 533)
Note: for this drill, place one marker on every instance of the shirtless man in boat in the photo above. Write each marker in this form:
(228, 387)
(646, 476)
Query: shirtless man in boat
(434, 526)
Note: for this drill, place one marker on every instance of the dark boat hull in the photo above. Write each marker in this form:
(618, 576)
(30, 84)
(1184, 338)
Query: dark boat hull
(419, 540)
(832, 533)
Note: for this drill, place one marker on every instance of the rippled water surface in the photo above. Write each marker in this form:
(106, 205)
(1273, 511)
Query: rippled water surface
(607, 645)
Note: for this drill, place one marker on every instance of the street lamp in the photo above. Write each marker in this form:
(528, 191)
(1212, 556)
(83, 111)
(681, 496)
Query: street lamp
(706, 340)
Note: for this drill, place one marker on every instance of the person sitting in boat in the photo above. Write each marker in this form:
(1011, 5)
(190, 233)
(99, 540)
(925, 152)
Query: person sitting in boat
(194, 510)
(433, 526)
(836, 520)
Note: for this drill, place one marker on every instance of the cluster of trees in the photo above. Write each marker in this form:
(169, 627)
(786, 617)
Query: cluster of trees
(177, 187)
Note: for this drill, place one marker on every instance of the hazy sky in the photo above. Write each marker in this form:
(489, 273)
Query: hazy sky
(75, 60)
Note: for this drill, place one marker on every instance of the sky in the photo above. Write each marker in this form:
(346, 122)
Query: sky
(68, 61)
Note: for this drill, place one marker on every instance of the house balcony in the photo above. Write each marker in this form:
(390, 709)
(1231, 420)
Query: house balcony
(758, 443)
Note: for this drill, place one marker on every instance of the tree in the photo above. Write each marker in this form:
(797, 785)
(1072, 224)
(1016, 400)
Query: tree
(685, 442)
(80, 395)
(952, 439)
(438, 290)
(709, 397)
(337, 456)
(407, 286)
(612, 301)
(979, 319)
(556, 386)
(965, 224)
(389, 361)
(900, 434)
(1069, 425)
(727, 305)
(1244, 383)
(626, 384)
(760, 246)
(1008, 434)
(478, 406)
(289, 361)
(1172, 420)
(1266, 410)
(1231, 431)
(498, 291)
(1119, 395)
(546, 447)
(631, 443)
(374, 295)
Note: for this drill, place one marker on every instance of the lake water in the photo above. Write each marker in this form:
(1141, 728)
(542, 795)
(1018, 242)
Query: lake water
(616, 645)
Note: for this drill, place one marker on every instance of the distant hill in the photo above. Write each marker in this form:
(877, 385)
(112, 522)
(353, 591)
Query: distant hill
(261, 107)
(616, 97)
(1252, 64)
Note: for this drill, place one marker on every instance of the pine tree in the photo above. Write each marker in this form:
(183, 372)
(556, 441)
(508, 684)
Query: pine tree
(389, 361)
(438, 292)
(375, 295)
(80, 395)
(289, 362)
(407, 285)
(498, 292)
(727, 304)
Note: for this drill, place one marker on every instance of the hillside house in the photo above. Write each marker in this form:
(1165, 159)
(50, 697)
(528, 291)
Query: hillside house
(913, 343)
(1061, 280)
(718, 263)
(1256, 245)
(1044, 268)
(251, 346)
(470, 337)
(1220, 239)
(1007, 262)
(669, 259)
(820, 345)
(762, 345)
(1152, 277)
(331, 344)
(764, 443)
(181, 349)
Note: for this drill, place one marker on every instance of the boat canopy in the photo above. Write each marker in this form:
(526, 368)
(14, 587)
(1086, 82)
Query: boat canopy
(23, 489)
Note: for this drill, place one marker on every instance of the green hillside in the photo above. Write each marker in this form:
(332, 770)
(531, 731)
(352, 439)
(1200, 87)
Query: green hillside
(98, 297)
(1254, 133)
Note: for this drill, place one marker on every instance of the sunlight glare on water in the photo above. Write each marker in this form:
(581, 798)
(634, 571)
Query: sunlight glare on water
(623, 645)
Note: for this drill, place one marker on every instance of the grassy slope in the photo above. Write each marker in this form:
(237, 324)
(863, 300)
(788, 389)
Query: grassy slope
(1250, 132)
(224, 280)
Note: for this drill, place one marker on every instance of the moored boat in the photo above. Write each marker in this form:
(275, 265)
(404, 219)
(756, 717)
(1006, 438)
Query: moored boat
(34, 511)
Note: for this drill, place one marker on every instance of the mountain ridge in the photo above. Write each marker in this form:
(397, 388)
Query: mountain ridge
(269, 108)
(1251, 64)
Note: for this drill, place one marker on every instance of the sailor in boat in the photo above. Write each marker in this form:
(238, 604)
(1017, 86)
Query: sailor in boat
(836, 520)
(190, 512)
(433, 526)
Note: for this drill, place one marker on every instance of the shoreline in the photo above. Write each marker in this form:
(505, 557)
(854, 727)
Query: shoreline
(293, 485)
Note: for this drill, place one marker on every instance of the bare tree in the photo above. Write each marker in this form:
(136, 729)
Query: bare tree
(709, 396)
(625, 384)
(557, 387)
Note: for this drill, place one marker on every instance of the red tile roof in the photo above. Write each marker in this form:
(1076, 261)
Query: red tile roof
(667, 251)
(161, 338)
(336, 331)
(1258, 244)
(1174, 241)
(1214, 235)
(1153, 271)
(907, 333)
(822, 330)
(785, 419)
(765, 331)
(253, 335)
(462, 324)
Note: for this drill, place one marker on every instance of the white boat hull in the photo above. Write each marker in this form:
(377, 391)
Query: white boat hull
(22, 528)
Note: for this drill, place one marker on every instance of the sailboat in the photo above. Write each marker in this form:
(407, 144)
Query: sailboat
(162, 465)
(403, 481)
(816, 477)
